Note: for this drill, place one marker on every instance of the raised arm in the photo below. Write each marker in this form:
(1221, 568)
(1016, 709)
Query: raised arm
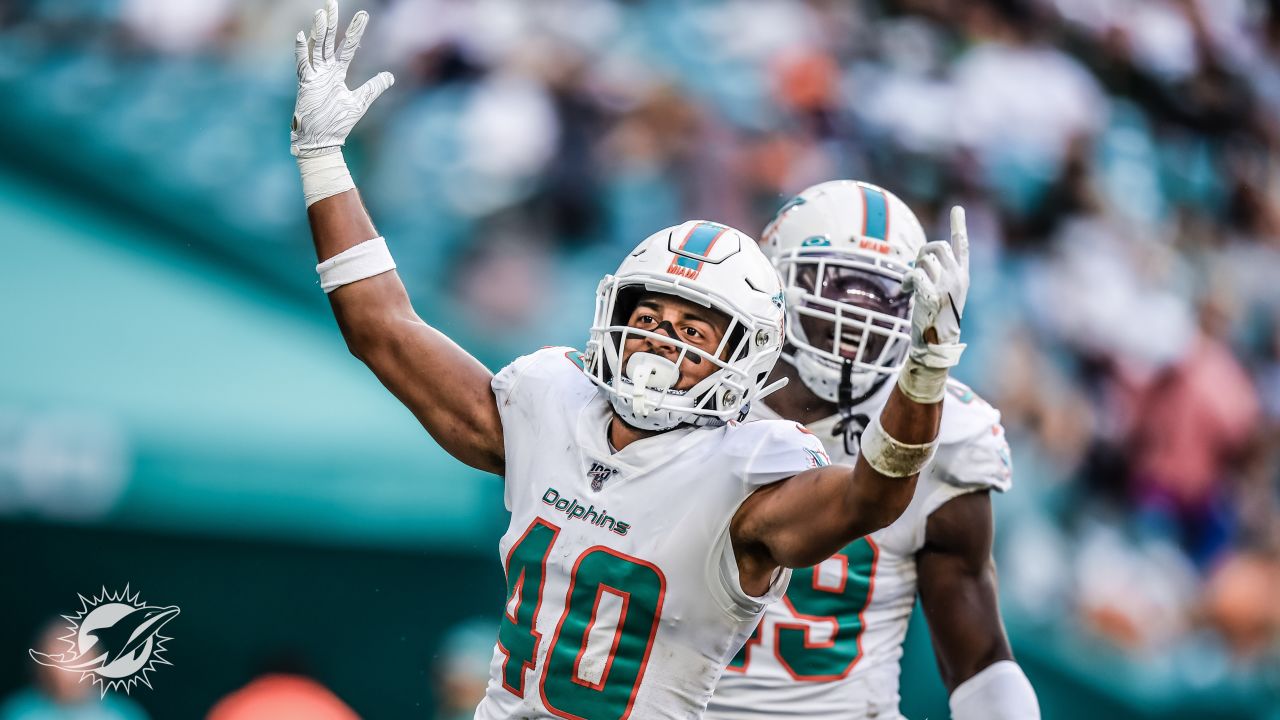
(803, 520)
(447, 389)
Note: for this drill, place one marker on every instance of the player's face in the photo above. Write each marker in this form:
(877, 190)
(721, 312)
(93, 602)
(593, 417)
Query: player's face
(854, 287)
(682, 320)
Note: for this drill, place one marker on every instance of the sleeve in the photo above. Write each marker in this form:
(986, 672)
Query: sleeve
(726, 586)
(510, 389)
(784, 449)
(981, 462)
(507, 380)
(520, 390)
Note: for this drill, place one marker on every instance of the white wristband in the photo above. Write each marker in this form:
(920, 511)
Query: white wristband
(1000, 692)
(324, 176)
(890, 457)
(365, 260)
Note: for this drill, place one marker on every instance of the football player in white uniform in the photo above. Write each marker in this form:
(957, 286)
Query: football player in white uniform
(649, 527)
(831, 648)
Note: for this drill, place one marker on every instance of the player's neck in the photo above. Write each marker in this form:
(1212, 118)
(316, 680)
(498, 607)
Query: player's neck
(796, 401)
(621, 434)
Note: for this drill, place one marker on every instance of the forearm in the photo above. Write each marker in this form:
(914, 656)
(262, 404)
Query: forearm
(338, 223)
(964, 621)
(374, 309)
(958, 594)
(894, 449)
(956, 579)
(879, 497)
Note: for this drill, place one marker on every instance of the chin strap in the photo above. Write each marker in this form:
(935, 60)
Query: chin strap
(851, 425)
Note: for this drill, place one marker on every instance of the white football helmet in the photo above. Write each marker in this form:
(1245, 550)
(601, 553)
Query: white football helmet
(709, 264)
(843, 248)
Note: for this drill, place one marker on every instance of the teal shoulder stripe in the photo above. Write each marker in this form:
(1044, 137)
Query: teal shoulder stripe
(877, 214)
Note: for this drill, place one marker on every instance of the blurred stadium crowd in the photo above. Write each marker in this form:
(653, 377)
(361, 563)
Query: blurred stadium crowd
(1119, 161)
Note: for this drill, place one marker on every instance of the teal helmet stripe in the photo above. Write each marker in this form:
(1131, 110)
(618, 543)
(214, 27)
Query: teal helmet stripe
(876, 218)
(699, 242)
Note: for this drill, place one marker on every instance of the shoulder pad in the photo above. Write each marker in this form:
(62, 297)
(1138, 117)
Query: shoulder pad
(965, 415)
(542, 369)
(772, 450)
(973, 451)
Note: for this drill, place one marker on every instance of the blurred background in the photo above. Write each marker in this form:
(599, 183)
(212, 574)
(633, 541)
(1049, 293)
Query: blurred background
(178, 411)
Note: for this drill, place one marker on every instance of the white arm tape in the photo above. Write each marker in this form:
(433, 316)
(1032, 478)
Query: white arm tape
(324, 176)
(927, 383)
(1000, 692)
(365, 260)
(893, 458)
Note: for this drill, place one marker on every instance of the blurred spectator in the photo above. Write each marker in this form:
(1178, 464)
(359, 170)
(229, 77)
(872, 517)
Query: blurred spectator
(282, 696)
(1240, 603)
(461, 669)
(1193, 420)
(62, 695)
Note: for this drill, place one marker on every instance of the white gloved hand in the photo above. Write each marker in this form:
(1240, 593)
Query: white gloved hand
(326, 110)
(939, 284)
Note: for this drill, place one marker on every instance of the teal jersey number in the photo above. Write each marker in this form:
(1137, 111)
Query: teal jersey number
(840, 607)
(517, 637)
(638, 587)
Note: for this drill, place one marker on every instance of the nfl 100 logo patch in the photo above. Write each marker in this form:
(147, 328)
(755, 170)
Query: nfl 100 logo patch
(599, 474)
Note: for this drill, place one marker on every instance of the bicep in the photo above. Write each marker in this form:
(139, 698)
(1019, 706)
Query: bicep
(445, 388)
(957, 582)
(800, 521)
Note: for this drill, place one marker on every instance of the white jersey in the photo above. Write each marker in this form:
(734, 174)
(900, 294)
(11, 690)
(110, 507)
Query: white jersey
(831, 648)
(623, 594)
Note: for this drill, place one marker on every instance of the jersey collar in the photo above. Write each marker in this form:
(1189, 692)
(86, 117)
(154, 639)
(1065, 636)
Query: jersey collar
(640, 456)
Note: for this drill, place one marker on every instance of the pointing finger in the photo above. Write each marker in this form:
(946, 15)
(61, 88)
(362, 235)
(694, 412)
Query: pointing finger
(960, 237)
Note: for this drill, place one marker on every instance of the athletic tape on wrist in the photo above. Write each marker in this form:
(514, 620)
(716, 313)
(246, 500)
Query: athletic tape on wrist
(324, 176)
(365, 260)
(926, 382)
(893, 458)
(925, 385)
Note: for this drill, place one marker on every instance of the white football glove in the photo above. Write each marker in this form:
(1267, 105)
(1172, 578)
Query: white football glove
(326, 110)
(939, 283)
